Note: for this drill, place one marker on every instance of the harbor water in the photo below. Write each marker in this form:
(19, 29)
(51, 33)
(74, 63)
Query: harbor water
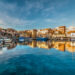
(38, 58)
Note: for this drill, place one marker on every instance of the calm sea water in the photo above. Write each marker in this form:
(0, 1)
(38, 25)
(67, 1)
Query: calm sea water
(24, 60)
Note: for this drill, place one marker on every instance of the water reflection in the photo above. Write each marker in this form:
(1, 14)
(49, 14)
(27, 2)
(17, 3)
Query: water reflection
(58, 45)
(37, 58)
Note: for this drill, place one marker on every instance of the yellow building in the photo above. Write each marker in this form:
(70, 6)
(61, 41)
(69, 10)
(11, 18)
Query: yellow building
(45, 33)
(60, 31)
(70, 32)
(34, 33)
(25, 33)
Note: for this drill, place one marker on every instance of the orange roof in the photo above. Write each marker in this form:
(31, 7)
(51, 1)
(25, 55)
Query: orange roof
(71, 32)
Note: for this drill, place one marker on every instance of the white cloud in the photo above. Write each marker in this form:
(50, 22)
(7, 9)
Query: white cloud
(49, 20)
(1, 22)
(56, 20)
(8, 12)
(7, 21)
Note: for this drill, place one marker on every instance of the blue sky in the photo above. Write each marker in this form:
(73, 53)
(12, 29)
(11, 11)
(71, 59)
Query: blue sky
(36, 14)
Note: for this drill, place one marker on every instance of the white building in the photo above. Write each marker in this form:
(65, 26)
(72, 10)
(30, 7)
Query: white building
(72, 34)
(70, 31)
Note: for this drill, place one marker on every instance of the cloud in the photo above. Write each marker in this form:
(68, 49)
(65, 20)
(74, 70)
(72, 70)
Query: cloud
(20, 14)
(55, 20)
(31, 9)
(7, 21)
(49, 20)
(1, 22)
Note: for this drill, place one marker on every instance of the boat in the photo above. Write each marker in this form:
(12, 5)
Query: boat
(21, 39)
(7, 40)
(42, 39)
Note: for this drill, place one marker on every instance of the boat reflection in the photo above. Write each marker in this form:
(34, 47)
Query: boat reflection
(58, 45)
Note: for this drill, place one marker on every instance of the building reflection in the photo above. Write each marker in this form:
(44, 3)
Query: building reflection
(46, 45)
(58, 45)
(33, 44)
(70, 46)
(11, 45)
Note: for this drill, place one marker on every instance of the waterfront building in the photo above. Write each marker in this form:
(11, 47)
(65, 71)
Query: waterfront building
(25, 33)
(12, 32)
(34, 33)
(61, 29)
(45, 33)
(59, 32)
(70, 32)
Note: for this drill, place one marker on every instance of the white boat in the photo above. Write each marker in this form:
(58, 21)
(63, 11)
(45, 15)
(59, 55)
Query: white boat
(7, 40)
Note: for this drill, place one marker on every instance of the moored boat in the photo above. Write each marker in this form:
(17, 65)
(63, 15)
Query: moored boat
(42, 39)
(22, 39)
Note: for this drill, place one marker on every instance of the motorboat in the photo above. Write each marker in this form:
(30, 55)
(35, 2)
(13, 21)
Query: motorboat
(21, 39)
(42, 39)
